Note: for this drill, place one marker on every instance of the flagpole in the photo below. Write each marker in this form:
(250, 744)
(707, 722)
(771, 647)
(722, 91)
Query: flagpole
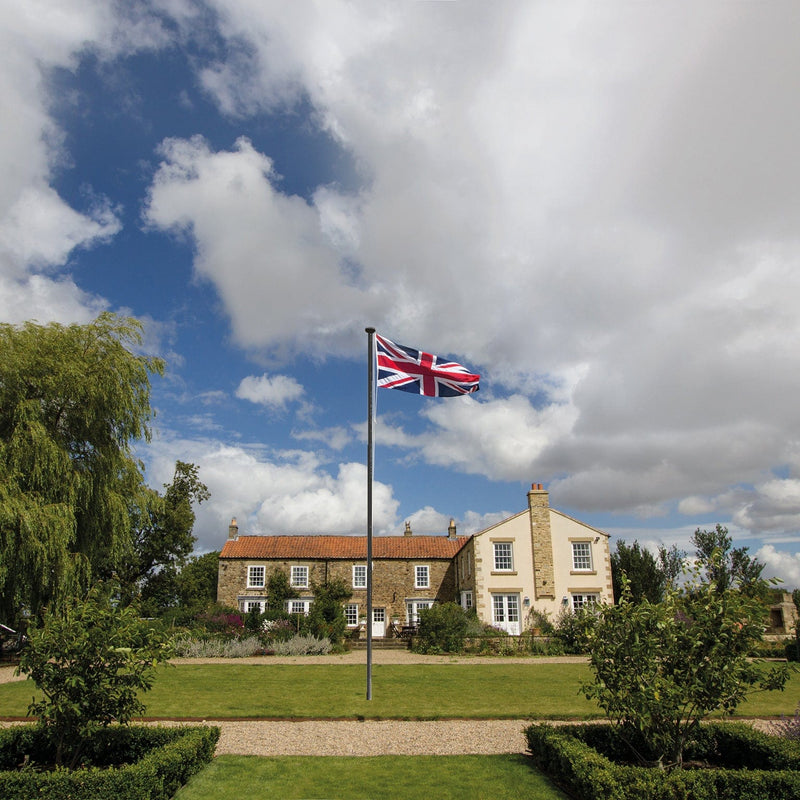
(370, 475)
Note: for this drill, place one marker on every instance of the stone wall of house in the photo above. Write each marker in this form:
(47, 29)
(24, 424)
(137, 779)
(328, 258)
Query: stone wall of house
(392, 581)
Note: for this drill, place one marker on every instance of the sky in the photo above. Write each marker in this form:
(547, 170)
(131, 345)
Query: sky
(594, 205)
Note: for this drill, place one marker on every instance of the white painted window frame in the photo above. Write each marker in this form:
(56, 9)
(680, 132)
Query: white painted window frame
(361, 582)
(503, 553)
(419, 571)
(251, 571)
(301, 569)
(581, 555)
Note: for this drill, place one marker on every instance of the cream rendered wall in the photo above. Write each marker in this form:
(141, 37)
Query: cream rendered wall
(566, 530)
(517, 530)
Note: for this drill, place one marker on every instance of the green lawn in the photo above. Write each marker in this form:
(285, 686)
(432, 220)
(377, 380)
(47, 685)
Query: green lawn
(422, 691)
(506, 777)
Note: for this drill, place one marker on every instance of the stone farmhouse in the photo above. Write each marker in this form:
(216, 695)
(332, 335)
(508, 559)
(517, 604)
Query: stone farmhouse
(537, 559)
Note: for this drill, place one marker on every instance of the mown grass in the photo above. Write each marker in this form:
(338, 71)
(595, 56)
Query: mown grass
(502, 777)
(415, 691)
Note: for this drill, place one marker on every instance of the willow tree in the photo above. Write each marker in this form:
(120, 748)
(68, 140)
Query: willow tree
(73, 400)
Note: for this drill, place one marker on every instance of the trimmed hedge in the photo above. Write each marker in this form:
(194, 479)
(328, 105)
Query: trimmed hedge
(746, 765)
(123, 763)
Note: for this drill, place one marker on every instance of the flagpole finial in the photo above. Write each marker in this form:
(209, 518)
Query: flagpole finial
(370, 330)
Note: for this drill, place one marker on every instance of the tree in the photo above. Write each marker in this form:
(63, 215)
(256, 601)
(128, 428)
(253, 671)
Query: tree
(326, 618)
(727, 566)
(648, 577)
(73, 399)
(197, 582)
(279, 590)
(161, 533)
(660, 668)
(90, 663)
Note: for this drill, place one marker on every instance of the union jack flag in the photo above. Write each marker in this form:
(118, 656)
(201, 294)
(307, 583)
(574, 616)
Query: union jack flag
(413, 371)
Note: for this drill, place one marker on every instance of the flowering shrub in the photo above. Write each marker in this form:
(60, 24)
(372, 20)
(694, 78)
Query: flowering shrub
(277, 630)
(222, 622)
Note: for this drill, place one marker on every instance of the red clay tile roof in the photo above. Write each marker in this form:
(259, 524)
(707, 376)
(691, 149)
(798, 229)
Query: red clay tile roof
(345, 547)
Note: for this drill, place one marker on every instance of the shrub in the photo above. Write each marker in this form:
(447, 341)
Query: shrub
(152, 763)
(442, 629)
(217, 647)
(277, 630)
(326, 616)
(540, 621)
(303, 645)
(222, 620)
(90, 662)
(660, 668)
(746, 765)
(570, 630)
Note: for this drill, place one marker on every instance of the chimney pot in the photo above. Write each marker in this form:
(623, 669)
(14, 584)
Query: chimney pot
(451, 530)
(233, 529)
(408, 531)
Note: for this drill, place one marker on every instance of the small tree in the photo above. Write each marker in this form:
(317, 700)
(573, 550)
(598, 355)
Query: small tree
(660, 668)
(90, 662)
(326, 616)
(279, 590)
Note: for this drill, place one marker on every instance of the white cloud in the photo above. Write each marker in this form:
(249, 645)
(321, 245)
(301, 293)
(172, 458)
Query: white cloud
(274, 391)
(574, 196)
(39, 229)
(780, 564)
(594, 204)
(336, 438)
(287, 492)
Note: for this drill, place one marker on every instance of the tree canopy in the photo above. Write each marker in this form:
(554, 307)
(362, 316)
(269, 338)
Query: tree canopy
(725, 565)
(648, 577)
(161, 532)
(73, 399)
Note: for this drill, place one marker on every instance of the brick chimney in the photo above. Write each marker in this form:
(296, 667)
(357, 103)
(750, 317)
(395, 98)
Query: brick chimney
(451, 529)
(408, 531)
(233, 530)
(542, 540)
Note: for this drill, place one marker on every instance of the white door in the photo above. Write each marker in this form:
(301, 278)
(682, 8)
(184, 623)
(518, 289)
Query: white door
(505, 613)
(378, 622)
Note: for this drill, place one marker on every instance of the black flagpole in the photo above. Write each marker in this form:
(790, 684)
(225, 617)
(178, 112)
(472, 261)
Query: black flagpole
(370, 475)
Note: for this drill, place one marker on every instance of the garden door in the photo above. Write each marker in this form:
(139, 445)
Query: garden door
(505, 613)
(378, 622)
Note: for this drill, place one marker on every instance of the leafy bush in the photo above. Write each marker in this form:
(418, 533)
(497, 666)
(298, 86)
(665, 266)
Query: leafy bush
(539, 621)
(570, 630)
(90, 662)
(326, 618)
(303, 645)
(156, 762)
(442, 629)
(746, 765)
(660, 668)
(222, 620)
(277, 629)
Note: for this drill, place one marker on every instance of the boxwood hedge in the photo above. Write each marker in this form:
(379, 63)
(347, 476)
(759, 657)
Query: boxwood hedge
(743, 764)
(121, 763)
